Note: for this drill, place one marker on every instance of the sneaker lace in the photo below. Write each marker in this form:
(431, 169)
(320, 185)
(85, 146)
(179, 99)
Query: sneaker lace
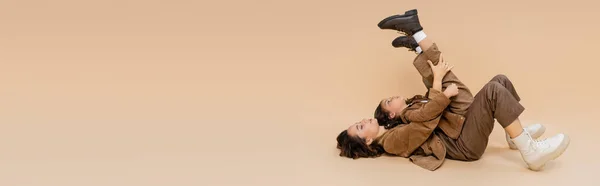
(541, 144)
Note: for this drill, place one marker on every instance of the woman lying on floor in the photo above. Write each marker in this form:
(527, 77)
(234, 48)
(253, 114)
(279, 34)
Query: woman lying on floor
(448, 122)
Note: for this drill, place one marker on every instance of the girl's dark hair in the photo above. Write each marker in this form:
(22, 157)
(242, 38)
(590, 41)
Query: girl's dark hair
(355, 147)
(383, 118)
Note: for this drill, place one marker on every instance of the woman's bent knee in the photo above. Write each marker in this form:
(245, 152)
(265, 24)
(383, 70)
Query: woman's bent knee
(500, 77)
(492, 85)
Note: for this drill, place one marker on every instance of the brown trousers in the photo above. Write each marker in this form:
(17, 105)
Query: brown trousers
(498, 100)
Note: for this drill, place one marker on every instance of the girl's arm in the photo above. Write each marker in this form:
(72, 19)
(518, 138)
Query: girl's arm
(438, 100)
(422, 112)
(439, 71)
(435, 56)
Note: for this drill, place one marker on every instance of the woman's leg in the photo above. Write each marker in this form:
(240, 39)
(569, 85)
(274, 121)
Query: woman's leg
(534, 130)
(506, 83)
(514, 129)
(461, 102)
(498, 100)
(493, 101)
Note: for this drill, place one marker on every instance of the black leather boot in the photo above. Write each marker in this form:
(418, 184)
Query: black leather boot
(407, 42)
(407, 22)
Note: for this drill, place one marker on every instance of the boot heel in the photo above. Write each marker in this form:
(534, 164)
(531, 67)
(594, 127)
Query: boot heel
(411, 12)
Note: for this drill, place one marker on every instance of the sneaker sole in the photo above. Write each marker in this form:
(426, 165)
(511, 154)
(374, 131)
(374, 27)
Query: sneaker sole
(560, 150)
(563, 147)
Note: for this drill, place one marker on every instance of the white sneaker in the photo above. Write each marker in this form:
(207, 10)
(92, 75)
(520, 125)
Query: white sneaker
(537, 153)
(536, 130)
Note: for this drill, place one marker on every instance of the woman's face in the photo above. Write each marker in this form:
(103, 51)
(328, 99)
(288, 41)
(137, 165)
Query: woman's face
(393, 105)
(367, 129)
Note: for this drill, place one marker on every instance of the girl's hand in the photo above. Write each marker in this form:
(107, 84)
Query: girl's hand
(441, 69)
(451, 91)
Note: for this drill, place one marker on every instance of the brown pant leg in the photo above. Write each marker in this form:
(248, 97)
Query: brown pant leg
(461, 102)
(496, 100)
(506, 83)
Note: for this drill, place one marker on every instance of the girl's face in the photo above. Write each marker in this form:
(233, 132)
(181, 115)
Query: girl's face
(393, 105)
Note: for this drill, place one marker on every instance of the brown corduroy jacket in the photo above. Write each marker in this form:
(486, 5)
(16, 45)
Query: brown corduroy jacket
(416, 140)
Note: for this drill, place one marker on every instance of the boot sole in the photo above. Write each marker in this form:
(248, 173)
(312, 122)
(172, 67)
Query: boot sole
(400, 46)
(536, 135)
(406, 14)
(563, 147)
(398, 38)
(560, 150)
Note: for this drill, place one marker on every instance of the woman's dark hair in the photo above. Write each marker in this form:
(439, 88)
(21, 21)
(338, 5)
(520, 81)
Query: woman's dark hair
(383, 118)
(355, 147)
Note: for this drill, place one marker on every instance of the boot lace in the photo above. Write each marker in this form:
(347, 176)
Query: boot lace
(541, 144)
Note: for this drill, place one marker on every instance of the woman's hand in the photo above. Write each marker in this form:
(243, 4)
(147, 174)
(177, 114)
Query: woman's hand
(441, 69)
(451, 91)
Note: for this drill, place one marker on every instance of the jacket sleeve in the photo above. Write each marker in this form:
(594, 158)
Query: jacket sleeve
(404, 140)
(430, 110)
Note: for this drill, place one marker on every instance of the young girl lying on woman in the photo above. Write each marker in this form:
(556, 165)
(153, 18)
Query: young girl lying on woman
(448, 122)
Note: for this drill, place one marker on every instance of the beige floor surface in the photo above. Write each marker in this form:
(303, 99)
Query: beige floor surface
(254, 92)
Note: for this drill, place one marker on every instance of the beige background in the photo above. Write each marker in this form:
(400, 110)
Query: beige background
(254, 92)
